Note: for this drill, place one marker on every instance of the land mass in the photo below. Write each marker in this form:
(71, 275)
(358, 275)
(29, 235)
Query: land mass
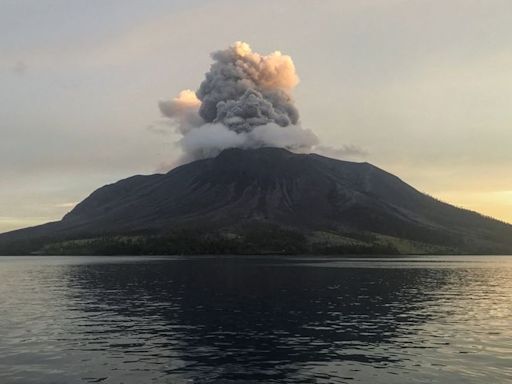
(264, 201)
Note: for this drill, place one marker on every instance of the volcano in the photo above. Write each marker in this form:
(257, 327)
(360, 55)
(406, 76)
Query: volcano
(264, 200)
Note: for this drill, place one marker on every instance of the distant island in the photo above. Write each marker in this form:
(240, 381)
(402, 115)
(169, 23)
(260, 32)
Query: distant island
(263, 201)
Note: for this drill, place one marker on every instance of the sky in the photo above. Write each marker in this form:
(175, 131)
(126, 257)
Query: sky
(421, 89)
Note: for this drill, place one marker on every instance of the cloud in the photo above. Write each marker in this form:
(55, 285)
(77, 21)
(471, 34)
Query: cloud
(19, 68)
(344, 152)
(66, 205)
(183, 111)
(244, 89)
(210, 139)
(244, 101)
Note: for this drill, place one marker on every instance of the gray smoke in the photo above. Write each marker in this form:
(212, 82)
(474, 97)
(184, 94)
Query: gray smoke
(244, 101)
(244, 89)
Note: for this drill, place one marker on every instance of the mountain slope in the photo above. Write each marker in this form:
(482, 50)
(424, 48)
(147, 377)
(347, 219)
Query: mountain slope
(270, 186)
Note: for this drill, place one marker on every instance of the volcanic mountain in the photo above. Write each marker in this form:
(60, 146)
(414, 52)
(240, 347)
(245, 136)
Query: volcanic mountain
(264, 200)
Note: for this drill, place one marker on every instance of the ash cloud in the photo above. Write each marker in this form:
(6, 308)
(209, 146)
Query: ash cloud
(183, 110)
(244, 89)
(244, 101)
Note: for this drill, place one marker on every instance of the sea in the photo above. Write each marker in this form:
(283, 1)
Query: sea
(240, 319)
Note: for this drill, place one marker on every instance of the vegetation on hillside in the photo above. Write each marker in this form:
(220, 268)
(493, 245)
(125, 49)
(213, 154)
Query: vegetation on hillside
(256, 239)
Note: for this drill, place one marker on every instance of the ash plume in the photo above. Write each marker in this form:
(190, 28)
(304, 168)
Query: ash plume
(244, 101)
(244, 89)
(183, 111)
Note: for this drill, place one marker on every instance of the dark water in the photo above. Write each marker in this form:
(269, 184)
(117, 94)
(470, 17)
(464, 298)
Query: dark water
(255, 320)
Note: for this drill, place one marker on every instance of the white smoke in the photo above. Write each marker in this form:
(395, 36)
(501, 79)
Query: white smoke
(183, 110)
(244, 101)
(210, 139)
(345, 152)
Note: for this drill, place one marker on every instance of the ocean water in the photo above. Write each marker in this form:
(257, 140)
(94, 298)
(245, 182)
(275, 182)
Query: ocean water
(255, 320)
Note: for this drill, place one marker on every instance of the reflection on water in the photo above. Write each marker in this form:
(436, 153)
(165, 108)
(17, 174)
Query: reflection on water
(255, 320)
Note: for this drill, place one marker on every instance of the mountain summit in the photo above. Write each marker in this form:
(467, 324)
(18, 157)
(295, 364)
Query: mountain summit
(247, 199)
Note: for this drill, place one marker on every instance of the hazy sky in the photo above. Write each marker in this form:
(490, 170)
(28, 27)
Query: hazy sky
(423, 87)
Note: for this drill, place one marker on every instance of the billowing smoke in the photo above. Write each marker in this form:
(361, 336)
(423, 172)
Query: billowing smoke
(245, 101)
(183, 110)
(244, 89)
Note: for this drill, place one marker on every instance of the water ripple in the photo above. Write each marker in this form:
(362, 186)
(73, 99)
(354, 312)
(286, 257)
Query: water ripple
(255, 320)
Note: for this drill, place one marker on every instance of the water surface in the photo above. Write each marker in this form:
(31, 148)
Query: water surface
(255, 320)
